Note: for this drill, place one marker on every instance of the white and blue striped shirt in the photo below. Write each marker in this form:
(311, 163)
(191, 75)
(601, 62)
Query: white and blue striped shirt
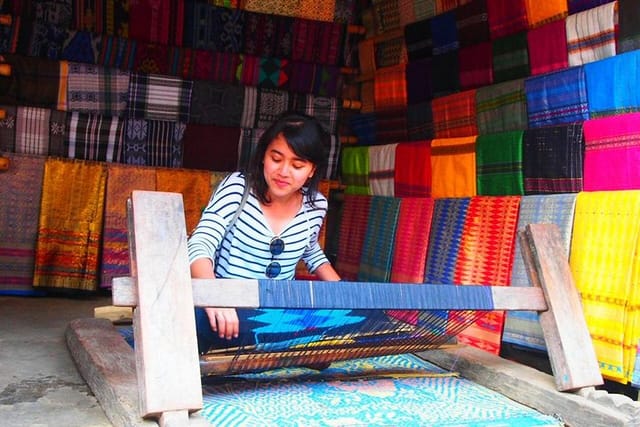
(245, 250)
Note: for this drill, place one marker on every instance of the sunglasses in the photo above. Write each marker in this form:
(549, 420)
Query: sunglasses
(276, 247)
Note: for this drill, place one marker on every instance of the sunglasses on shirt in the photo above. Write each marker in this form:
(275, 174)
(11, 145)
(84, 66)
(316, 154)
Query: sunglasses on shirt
(276, 247)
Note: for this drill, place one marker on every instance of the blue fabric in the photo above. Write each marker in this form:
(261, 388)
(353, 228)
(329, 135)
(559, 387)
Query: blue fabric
(612, 84)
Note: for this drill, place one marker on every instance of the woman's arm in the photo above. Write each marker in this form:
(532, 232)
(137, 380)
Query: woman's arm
(327, 273)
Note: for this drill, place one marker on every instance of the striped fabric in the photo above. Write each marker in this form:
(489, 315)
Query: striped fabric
(499, 164)
(355, 169)
(95, 137)
(612, 152)
(476, 66)
(353, 227)
(591, 34)
(506, 17)
(316, 42)
(413, 179)
(510, 57)
(522, 327)
(379, 239)
(276, 43)
(325, 109)
(96, 89)
(444, 33)
(382, 161)
(157, 97)
(547, 46)
(386, 15)
(472, 22)
(153, 143)
(629, 26)
(420, 121)
(390, 88)
(557, 98)
(455, 115)
(453, 161)
(576, 6)
(117, 52)
(501, 107)
(542, 12)
(33, 82)
(32, 130)
(553, 159)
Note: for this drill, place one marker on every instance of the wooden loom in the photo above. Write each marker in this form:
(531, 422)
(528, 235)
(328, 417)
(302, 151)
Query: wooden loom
(168, 369)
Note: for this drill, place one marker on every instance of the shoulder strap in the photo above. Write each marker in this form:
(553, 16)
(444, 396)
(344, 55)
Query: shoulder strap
(243, 201)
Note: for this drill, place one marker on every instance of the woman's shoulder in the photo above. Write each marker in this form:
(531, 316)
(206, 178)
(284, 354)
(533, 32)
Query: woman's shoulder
(316, 199)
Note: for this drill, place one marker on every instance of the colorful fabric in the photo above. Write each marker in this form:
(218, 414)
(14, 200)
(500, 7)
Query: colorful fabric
(605, 265)
(355, 169)
(417, 36)
(501, 107)
(157, 97)
(390, 88)
(353, 227)
(153, 143)
(629, 25)
(455, 115)
(81, 46)
(117, 52)
(20, 191)
(472, 22)
(499, 164)
(612, 152)
(379, 239)
(420, 122)
(391, 126)
(522, 327)
(95, 137)
(510, 57)
(213, 148)
(547, 46)
(151, 59)
(476, 66)
(444, 33)
(317, 42)
(32, 131)
(70, 225)
(557, 98)
(382, 161)
(540, 13)
(195, 187)
(98, 90)
(553, 159)
(453, 161)
(413, 178)
(506, 17)
(217, 104)
(156, 21)
(591, 34)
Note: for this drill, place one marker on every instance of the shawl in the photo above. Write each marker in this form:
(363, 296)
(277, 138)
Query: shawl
(158, 97)
(444, 33)
(195, 187)
(156, 21)
(390, 88)
(325, 109)
(262, 107)
(355, 170)
(215, 28)
(8, 129)
(629, 26)
(420, 122)
(591, 34)
(445, 74)
(364, 127)
(43, 39)
(276, 35)
(112, 19)
(522, 327)
(181, 62)
(81, 46)
(319, 11)
(32, 131)
(382, 161)
(499, 164)
(391, 126)
(413, 179)
(417, 36)
(547, 47)
(506, 17)
(386, 15)
(70, 225)
(576, 6)
(95, 137)
(455, 115)
(248, 73)
(223, 66)
(612, 152)
(510, 57)
(379, 239)
(616, 93)
(151, 59)
(33, 82)
(20, 192)
(153, 143)
(217, 104)
(418, 78)
(553, 159)
(117, 52)
(476, 66)
(605, 266)
(9, 35)
(274, 73)
(98, 90)
(472, 23)
(353, 226)
(501, 107)
(209, 147)
(557, 98)
(453, 162)
(58, 134)
(542, 12)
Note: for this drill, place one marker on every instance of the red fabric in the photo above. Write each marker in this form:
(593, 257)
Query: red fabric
(548, 48)
(476, 65)
(213, 148)
(506, 17)
(413, 179)
(455, 115)
(353, 226)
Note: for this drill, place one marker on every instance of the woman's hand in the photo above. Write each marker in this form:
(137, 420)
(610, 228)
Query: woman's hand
(224, 321)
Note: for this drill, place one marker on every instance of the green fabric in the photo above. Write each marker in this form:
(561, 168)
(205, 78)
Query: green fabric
(510, 58)
(499, 164)
(377, 250)
(355, 170)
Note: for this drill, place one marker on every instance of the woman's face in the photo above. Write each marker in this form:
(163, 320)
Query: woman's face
(285, 172)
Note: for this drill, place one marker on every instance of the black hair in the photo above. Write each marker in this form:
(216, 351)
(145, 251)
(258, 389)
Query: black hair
(306, 137)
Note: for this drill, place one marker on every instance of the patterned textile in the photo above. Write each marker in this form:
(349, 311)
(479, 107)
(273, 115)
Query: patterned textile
(9, 36)
(553, 159)
(81, 46)
(510, 57)
(386, 15)
(276, 34)
(506, 17)
(33, 82)
(476, 66)
(391, 126)
(390, 88)
(325, 110)
(263, 106)
(413, 179)
(98, 90)
(444, 33)
(8, 129)
(418, 40)
(273, 73)
(410, 247)
(156, 21)
(629, 25)
(499, 164)
(424, 9)
(195, 187)
(453, 161)
(616, 93)
(382, 161)
(612, 151)
(317, 42)
(576, 6)
(547, 46)
(364, 127)
(95, 137)
(70, 225)
(540, 13)
(44, 40)
(591, 34)
(218, 104)
(153, 143)
(355, 169)
(418, 78)
(213, 28)
(353, 227)
(605, 266)
(57, 135)
(522, 327)
(157, 97)
(117, 52)
(379, 238)
(32, 131)
(151, 58)
(388, 390)
(486, 258)
(420, 122)
(390, 52)
(213, 148)
(20, 191)
(121, 181)
(557, 98)
(455, 115)
(249, 138)
(501, 107)
(472, 23)
(319, 11)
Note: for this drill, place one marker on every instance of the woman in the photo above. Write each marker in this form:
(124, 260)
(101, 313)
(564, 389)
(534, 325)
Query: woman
(278, 226)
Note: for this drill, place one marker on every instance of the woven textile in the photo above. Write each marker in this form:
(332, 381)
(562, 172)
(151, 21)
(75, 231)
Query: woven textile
(276, 34)
(157, 97)
(499, 164)
(33, 82)
(217, 104)
(8, 128)
(522, 327)
(557, 98)
(390, 88)
(195, 187)
(506, 17)
(413, 179)
(157, 21)
(273, 73)
(501, 107)
(151, 59)
(353, 228)
(418, 78)
(616, 93)
(612, 152)
(32, 130)
(262, 107)
(547, 46)
(553, 159)
(379, 239)
(117, 52)
(605, 267)
(391, 126)
(476, 66)
(418, 40)
(355, 169)
(153, 143)
(472, 22)
(326, 110)
(386, 15)
(70, 225)
(453, 161)
(57, 135)
(424, 9)
(121, 181)
(420, 121)
(510, 57)
(213, 148)
(317, 42)
(445, 74)
(382, 161)
(629, 26)
(576, 6)
(95, 137)
(390, 52)
(364, 127)
(542, 12)
(20, 191)
(455, 115)
(444, 33)
(215, 28)
(591, 34)
(98, 90)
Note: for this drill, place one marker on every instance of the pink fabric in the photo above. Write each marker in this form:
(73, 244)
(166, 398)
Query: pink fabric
(548, 48)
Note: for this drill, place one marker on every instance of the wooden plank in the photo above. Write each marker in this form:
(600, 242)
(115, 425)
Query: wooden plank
(164, 320)
(573, 358)
(114, 314)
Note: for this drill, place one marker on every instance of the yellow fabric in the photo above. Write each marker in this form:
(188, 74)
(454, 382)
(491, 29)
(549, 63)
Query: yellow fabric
(195, 186)
(453, 167)
(605, 264)
(62, 86)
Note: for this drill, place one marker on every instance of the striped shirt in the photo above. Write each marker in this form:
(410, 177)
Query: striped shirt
(244, 253)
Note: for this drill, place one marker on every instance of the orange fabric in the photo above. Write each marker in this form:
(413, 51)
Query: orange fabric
(390, 88)
(453, 167)
(542, 12)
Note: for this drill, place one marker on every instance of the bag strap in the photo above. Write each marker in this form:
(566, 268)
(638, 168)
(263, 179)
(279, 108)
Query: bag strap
(243, 201)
